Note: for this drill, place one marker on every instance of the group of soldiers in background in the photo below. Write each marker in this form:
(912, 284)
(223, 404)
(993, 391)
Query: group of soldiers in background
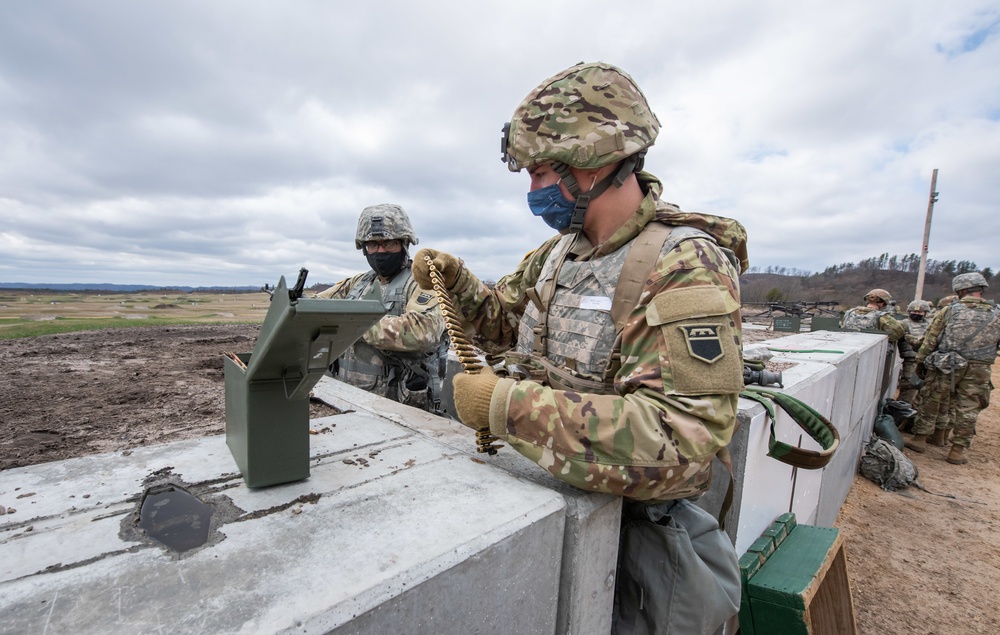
(947, 359)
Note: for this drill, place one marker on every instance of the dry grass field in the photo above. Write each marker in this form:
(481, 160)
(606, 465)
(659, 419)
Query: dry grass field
(24, 314)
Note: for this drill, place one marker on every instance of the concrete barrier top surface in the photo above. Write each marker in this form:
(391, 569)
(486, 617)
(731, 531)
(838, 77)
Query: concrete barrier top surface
(383, 510)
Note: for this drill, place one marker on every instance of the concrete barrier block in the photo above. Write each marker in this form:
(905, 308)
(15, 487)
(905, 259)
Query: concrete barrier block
(387, 525)
(590, 544)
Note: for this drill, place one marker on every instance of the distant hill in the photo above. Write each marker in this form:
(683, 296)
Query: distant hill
(846, 288)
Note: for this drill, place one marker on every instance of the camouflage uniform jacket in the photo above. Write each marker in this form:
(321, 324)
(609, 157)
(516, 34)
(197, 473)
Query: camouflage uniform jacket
(672, 407)
(864, 318)
(405, 341)
(969, 326)
(914, 333)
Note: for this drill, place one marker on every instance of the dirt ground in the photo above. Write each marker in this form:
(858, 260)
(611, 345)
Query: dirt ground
(918, 562)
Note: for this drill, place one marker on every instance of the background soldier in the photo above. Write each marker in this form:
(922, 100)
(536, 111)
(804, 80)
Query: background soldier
(958, 351)
(403, 356)
(915, 324)
(874, 315)
(626, 369)
(945, 301)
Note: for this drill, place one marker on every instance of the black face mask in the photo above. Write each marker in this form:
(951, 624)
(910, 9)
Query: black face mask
(916, 317)
(386, 264)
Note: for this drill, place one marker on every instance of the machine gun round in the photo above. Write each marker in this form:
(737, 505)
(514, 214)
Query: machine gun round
(486, 442)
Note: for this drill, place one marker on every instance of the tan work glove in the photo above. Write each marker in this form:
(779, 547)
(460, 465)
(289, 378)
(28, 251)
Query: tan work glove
(448, 267)
(472, 397)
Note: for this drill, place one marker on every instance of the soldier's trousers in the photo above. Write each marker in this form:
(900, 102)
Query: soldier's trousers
(907, 391)
(972, 396)
(934, 403)
(940, 408)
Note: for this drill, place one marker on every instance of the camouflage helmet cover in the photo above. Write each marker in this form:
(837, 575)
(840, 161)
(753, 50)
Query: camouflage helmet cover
(384, 222)
(918, 305)
(587, 116)
(964, 281)
(878, 294)
(946, 300)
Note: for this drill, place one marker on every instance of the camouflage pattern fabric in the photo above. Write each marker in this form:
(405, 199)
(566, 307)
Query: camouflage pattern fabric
(404, 341)
(384, 222)
(675, 399)
(914, 336)
(587, 116)
(865, 318)
(970, 327)
(933, 403)
(972, 396)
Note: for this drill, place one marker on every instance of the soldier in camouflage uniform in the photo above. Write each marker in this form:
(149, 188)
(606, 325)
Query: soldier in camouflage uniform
(874, 315)
(402, 356)
(957, 354)
(624, 330)
(916, 324)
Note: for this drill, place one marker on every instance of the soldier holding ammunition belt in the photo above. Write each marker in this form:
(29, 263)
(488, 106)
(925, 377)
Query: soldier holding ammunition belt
(624, 333)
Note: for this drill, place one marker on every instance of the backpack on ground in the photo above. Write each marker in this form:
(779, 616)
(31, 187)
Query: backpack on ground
(887, 466)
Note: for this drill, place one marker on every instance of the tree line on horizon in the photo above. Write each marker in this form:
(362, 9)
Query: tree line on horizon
(910, 263)
(846, 283)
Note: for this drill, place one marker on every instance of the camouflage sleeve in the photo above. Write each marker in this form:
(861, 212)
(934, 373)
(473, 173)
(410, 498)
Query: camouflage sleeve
(417, 330)
(932, 335)
(677, 391)
(892, 328)
(494, 313)
(340, 290)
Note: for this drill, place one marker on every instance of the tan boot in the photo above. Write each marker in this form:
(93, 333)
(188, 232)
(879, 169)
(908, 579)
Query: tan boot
(939, 438)
(957, 455)
(918, 443)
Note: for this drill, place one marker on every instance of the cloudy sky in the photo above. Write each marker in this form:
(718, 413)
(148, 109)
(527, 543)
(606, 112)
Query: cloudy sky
(232, 142)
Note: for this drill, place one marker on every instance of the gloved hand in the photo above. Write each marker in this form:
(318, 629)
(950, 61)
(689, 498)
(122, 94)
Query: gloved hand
(472, 397)
(921, 370)
(448, 267)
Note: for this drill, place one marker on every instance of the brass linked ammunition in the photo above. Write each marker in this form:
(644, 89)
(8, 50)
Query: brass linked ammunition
(467, 354)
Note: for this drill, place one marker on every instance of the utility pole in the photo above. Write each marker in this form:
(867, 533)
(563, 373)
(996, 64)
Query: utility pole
(927, 235)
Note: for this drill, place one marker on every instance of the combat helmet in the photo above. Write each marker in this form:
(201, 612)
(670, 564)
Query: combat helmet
(946, 300)
(878, 294)
(384, 222)
(917, 305)
(588, 116)
(968, 282)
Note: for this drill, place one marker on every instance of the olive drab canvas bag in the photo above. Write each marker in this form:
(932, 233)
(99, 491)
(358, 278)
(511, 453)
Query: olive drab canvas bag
(677, 572)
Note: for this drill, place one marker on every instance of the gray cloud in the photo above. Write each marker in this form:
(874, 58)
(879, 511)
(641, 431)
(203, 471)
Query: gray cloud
(230, 144)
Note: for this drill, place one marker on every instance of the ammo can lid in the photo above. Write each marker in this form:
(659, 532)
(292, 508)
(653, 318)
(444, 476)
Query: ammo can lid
(305, 335)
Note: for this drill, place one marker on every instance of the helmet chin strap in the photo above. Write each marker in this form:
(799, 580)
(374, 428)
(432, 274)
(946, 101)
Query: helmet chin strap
(617, 178)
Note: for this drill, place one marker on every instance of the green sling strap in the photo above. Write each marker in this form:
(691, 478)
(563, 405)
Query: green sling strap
(816, 425)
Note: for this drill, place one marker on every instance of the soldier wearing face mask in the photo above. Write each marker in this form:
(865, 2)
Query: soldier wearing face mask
(403, 356)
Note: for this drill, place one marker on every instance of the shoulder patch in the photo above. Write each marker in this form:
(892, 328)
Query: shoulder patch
(703, 341)
(423, 298)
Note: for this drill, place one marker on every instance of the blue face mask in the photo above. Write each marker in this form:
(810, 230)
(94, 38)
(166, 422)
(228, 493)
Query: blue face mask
(550, 203)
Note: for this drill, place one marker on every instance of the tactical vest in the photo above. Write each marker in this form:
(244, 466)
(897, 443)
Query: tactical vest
(916, 329)
(367, 367)
(862, 319)
(972, 331)
(570, 334)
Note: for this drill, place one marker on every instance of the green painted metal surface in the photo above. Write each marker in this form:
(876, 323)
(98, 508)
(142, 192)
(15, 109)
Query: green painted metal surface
(267, 396)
